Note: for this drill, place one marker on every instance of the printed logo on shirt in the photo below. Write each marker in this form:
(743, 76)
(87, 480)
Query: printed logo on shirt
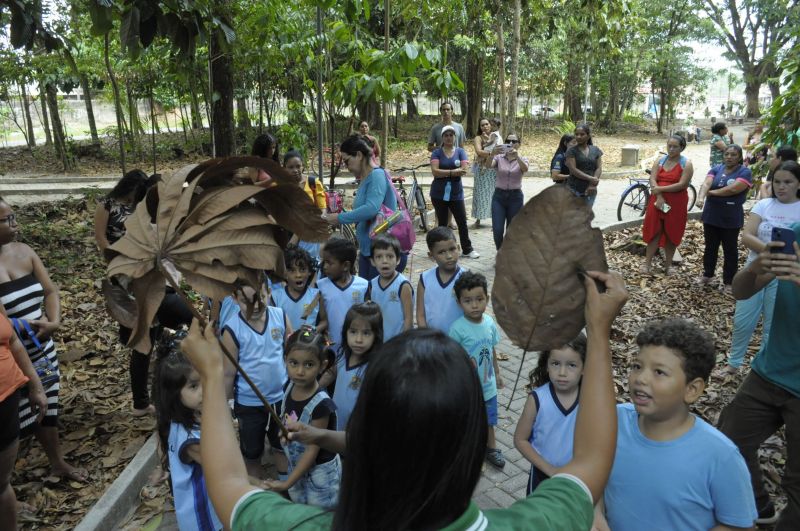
(393, 297)
(729, 182)
(276, 333)
(356, 297)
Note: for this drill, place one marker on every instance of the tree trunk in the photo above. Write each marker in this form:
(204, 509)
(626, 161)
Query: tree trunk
(752, 86)
(242, 116)
(117, 107)
(474, 87)
(222, 85)
(572, 91)
(501, 69)
(26, 111)
(58, 129)
(48, 138)
(411, 107)
(512, 89)
(87, 100)
(370, 112)
(260, 102)
(194, 108)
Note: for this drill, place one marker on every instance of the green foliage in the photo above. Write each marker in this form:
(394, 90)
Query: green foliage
(633, 118)
(567, 127)
(783, 117)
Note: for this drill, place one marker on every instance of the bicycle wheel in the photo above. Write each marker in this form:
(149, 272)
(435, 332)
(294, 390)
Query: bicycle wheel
(422, 208)
(692, 197)
(633, 203)
(348, 231)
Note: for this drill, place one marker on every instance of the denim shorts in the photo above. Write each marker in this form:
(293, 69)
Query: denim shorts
(254, 423)
(491, 410)
(319, 486)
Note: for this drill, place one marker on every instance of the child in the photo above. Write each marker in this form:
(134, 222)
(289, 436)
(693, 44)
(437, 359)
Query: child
(340, 289)
(256, 341)
(390, 290)
(546, 428)
(477, 333)
(362, 333)
(178, 396)
(673, 470)
(314, 473)
(297, 298)
(293, 163)
(437, 306)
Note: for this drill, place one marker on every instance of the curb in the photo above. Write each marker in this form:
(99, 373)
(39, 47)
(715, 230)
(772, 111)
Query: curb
(633, 223)
(123, 494)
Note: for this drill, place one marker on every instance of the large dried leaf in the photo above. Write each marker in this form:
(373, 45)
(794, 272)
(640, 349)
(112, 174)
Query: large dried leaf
(538, 295)
(119, 303)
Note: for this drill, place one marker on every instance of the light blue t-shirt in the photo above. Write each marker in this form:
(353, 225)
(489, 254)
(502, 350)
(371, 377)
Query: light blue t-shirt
(348, 385)
(553, 431)
(693, 482)
(192, 505)
(261, 356)
(778, 360)
(388, 299)
(441, 306)
(295, 308)
(479, 339)
(338, 301)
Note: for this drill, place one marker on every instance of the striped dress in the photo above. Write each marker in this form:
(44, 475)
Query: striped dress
(23, 298)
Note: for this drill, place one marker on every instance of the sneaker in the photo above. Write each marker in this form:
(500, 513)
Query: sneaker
(495, 457)
(767, 515)
(727, 289)
(472, 254)
(704, 280)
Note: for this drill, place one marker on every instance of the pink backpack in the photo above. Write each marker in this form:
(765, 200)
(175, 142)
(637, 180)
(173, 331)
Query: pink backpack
(401, 228)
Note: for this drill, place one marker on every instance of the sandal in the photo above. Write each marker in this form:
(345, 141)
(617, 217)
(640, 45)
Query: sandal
(502, 357)
(645, 269)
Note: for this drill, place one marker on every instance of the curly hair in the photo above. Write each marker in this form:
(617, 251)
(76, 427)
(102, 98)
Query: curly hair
(539, 375)
(691, 343)
(294, 256)
(470, 280)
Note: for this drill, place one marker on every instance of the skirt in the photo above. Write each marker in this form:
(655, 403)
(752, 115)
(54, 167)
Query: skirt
(482, 193)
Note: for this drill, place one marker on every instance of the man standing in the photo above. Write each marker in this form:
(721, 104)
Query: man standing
(435, 138)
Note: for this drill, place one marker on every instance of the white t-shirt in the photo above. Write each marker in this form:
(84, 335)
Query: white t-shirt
(773, 213)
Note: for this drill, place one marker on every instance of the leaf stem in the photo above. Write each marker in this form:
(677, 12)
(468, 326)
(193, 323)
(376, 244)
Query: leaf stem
(203, 322)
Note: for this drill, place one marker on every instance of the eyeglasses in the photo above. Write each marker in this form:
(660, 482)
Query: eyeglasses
(509, 141)
(10, 219)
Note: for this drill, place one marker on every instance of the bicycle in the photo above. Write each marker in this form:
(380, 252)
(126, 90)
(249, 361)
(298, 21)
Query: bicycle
(334, 200)
(634, 199)
(420, 207)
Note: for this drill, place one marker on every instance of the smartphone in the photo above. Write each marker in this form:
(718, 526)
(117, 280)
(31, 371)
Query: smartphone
(505, 148)
(786, 236)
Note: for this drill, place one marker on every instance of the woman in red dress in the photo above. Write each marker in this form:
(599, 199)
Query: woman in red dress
(665, 219)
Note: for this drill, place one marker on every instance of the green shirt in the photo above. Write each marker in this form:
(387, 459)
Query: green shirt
(717, 154)
(562, 503)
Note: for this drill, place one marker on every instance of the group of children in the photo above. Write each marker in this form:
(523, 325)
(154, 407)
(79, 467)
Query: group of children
(308, 350)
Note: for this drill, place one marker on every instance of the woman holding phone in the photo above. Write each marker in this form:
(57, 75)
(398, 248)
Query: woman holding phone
(780, 211)
(507, 199)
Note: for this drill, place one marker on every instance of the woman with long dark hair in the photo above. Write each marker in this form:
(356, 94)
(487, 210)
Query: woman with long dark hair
(585, 163)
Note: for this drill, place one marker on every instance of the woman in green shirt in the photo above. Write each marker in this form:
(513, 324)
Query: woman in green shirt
(720, 140)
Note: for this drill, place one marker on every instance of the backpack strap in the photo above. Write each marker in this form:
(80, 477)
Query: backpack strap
(28, 330)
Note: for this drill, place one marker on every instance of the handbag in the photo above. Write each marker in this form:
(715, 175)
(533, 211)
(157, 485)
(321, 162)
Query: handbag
(398, 223)
(48, 374)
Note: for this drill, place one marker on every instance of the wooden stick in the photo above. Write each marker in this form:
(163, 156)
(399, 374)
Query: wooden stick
(204, 322)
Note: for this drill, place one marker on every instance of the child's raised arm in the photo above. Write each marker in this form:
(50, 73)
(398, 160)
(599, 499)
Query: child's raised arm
(522, 435)
(407, 300)
(596, 426)
(421, 321)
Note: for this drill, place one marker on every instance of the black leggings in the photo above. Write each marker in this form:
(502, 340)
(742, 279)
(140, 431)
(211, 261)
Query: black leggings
(441, 207)
(172, 313)
(729, 238)
(9, 420)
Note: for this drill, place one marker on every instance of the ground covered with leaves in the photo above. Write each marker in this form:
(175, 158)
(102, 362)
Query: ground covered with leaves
(99, 434)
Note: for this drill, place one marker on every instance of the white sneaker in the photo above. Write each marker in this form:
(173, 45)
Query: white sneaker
(472, 254)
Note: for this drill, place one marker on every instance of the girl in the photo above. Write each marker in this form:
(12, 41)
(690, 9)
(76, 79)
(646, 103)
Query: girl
(298, 298)
(362, 333)
(558, 165)
(314, 474)
(178, 396)
(546, 428)
(293, 162)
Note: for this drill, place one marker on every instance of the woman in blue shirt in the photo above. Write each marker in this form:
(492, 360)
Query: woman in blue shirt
(725, 189)
(448, 164)
(373, 191)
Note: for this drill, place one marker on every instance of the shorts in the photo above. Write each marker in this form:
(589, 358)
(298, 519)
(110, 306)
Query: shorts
(254, 423)
(9, 420)
(491, 410)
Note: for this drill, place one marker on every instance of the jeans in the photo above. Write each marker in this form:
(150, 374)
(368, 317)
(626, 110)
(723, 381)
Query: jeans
(729, 238)
(505, 205)
(441, 207)
(757, 411)
(745, 319)
(367, 271)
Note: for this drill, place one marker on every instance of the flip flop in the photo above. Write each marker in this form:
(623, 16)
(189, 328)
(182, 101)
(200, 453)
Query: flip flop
(502, 357)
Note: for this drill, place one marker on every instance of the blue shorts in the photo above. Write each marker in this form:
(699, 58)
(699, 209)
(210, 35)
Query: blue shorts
(491, 410)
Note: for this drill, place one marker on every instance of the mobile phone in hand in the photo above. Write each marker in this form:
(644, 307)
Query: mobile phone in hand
(786, 236)
(505, 148)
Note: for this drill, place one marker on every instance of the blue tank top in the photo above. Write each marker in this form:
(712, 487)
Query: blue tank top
(295, 308)
(553, 430)
(388, 299)
(348, 385)
(261, 356)
(338, 301)
(441, 306)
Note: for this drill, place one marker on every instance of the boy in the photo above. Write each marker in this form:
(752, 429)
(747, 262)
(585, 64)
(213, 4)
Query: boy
(672, 469)
(340, 289)
(390, 290)
(297, 298)
(256, 341)
(437, 306)
(477, 333)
